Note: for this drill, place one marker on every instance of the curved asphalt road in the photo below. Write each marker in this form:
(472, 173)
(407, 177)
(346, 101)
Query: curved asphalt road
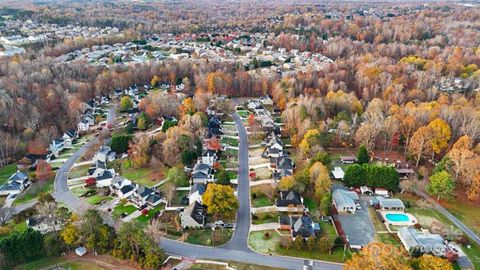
(235, 250)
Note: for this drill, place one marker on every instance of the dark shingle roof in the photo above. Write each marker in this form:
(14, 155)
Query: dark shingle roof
(289, 198)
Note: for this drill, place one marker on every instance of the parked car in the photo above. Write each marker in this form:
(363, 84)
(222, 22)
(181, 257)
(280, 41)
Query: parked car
(219, 223)
(228, 225)
(142, 207)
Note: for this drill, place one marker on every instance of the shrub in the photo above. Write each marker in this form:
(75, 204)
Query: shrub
(267, 236)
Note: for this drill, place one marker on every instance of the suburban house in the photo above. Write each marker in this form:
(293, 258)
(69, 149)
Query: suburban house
(208, 157)
(418, 242)
(86, 122)
(196, 192)
(42, 224)
(31, 160)
(300, 226)
(105, 177)
(122, 187)
(274, 148)
(282, 163)
(337, 173)
(348, 159)
(56, 146)
(404, 171)
(194, 216)
(144, 195)
(345, 201)
(104, 154)
(214, 127)
(279, 174)
(266, 100)
(16, 183)
(69, 136)
(390, 204)
(202, 173)
(289, 198)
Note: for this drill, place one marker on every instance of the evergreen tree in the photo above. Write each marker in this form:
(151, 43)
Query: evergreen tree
(362, 155)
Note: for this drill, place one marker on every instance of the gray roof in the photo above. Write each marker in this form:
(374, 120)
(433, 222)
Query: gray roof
(197, 187)
(390, 203)
(18, 176)
(11, 186)
(430, 243)
(344, 198)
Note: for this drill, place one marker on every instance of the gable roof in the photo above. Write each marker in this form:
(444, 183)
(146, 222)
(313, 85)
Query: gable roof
(344, 198)
(143, 191)
(18, 176)
(302, 226)
(127, 188)
(197, 187)
(197, 212)
(290, 197)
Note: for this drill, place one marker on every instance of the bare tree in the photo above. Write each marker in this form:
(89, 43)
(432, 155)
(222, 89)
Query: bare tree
(169, 189)
(155, 230)
(5, 213)
(269, 191)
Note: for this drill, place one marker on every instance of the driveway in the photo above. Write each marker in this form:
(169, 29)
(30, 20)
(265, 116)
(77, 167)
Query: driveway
(358, 227)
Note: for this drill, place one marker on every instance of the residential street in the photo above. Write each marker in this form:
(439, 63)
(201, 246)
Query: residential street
(62, 192)
(240, 237)
(235, 250)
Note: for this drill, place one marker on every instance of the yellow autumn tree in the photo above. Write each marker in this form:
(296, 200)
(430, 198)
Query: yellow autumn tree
(378, 255)
(187, 106)
(305, 144)
(287, 183)
(320, 178)
(441, 134)
(429, 262)
(220, 200)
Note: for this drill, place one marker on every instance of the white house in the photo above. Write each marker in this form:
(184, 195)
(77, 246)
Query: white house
(122, 187)
(69, 136)
(16, 183)
(56, 146)
(344, 201)
(193, 216)
(196, 192)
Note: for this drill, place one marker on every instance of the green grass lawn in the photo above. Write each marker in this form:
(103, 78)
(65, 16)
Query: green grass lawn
(311, 204)
(151, 212)
(201, 237)
(465, 212)
(79, 171)
(79, 191)
(98, 199)
(120, 209)
(142, 176)
(258, 242)
(263, 218)
(243, 113)
(6, 172)
(261, 202)
(53, 262)
(230, 141)
(33, 191)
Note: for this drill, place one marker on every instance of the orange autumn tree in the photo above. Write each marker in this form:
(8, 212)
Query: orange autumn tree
(43, 171)
(213, 144)
(378, 256)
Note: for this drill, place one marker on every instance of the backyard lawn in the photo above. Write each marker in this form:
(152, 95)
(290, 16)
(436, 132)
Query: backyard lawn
(202, 237)
(7, 171)
(243, 113)
(467, 212)
(142, 176)
(311, 204)
(33, 191)
(177, 200)
(120, 209)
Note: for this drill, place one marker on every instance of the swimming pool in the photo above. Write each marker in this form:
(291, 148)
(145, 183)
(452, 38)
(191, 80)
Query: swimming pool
(397, 217)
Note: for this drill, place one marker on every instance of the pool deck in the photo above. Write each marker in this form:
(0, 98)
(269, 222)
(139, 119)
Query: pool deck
(411, 219)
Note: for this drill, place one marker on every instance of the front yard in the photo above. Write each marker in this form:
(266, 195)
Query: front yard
(79, 171)
(33, 191)
(142, 176)
(123, 209)
(98, 199)
(230, 141)
(205, 237)
(144, 219)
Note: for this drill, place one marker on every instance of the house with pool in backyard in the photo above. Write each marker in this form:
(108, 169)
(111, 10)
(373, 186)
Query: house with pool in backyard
(355, 225)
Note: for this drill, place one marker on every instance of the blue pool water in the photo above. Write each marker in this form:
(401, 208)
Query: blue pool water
(397, 217)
